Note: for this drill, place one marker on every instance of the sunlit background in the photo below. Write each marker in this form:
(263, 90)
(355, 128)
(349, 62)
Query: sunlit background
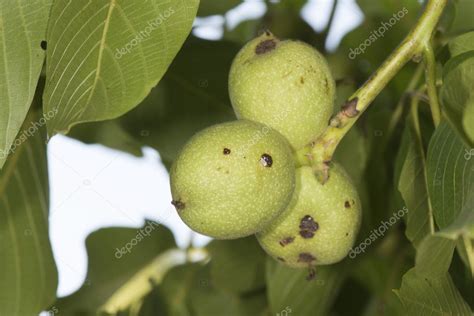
(93, 186)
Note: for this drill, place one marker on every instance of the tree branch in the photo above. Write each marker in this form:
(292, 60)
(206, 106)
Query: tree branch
(430, 75)
(319, 153)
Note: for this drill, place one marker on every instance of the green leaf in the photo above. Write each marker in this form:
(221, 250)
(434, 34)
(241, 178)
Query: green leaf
(108, 133)
(463, 279)
(192, 95)
(450, 172)
(435, 252)
(462, 44)
(464, 223)
(206, 299)
(175, 289)
(429, 282)
(153, 304)
(104, 56)
(213, 7)
(434, 255)
(243, 32)
(121, 263)
(352, 154)
(189, 290)
(289, 288)
(379, 273)
(457, 94)
(413, 186)
(27, 269)
(422, 295)
(464, 10)
(22, 30)
(462, 230)
(386, 8)
(237, 265)
(450, 183)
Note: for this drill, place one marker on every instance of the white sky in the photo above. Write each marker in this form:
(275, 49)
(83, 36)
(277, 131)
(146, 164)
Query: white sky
(93, 186)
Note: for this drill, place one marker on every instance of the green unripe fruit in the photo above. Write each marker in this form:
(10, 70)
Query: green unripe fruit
(231, 180)
(321, 223)
(284, 84)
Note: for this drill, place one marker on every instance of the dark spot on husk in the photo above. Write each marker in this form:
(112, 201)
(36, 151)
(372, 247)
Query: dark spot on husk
(179, 205)
(350, 108)
(308, 227)
(306, 234)
(281, 259)
(347, 234)
(43, 45)
(265, 46)
(286, 241)
(306, 257)
(349, 204)
(226, 151)
(302, 80)
(266, 160)
(311, 274)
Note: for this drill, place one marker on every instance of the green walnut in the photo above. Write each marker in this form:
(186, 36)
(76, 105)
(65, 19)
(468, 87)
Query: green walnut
(232, 179)
(321, 223)
(284, 84)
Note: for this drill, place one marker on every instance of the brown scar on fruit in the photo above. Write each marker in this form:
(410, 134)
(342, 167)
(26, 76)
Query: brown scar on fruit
(348, 204)
(308, 227)
(322, 174)
(302, 80)
(349, 109)
(266, 160)
(306, 257)
(226, 151)
(179, 205)
(286, 241)
(311, 274)
(265, 46)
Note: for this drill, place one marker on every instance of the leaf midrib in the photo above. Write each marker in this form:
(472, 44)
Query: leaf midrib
(101, 50)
